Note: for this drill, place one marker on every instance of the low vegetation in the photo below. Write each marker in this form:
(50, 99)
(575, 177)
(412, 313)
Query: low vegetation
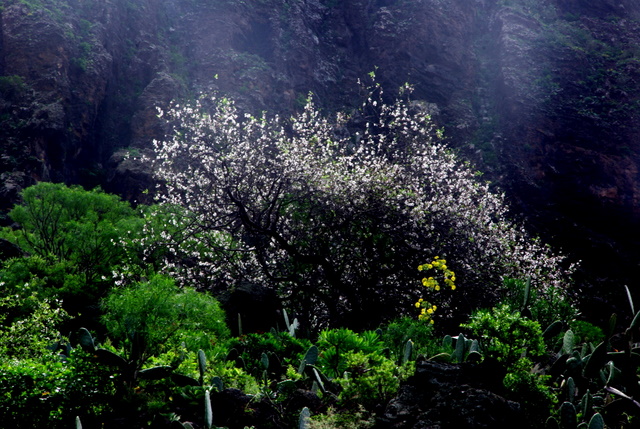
(383, 248)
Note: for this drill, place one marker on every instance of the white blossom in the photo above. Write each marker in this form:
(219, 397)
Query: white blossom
(338, 222)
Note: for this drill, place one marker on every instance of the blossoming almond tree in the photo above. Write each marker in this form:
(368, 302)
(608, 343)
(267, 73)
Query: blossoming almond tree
(337, 213)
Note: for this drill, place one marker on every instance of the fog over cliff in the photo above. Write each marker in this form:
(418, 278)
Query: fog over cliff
(542, 95)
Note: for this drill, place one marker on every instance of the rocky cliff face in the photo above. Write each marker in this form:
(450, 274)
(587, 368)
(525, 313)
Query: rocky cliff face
(73, 74)
(542, 94)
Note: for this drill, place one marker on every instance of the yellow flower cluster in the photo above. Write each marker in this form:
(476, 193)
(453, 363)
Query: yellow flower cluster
(438, 264)
(448, 279)
(426, 310)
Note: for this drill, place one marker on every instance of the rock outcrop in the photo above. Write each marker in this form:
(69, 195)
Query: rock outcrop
(452, 396)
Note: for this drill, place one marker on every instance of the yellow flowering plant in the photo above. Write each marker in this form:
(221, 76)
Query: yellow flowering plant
(442, 277)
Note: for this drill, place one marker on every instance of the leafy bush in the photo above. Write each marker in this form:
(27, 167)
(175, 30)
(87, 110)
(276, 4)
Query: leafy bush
(59, 222)
(586, 332)
(335, 344)
(47, 391)
(370, 380)
(505, 335)
(545, 308)
(152, 317)
(24, 337)
(71, 238)
(280, 349)
(531, 390)
(333, 419)
(396, 334)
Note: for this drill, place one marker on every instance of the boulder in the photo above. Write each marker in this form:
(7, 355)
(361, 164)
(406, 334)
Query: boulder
(442, 395)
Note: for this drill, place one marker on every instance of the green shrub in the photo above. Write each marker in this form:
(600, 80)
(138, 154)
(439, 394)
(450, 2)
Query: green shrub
(505, 335)
(544, 304)
(72, 239)
(396, 334)
(50, 391)
(280, 348)
(33, 331)
(586, 332)
(370, 380)
(333, 419)
(531, 391)
(334, 344)
(150, 318)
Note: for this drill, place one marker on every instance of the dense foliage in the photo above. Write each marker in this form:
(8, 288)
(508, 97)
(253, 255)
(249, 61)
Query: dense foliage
(68, 238)
(153, 317)
(336, 216)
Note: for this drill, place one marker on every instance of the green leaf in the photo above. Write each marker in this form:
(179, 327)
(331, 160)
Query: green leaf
(310, 358)
(460, 348)
(285, 387)
(614, 373)
(184, 380)
(633, 311)
(86, 341)
(408, 349)
(596, 422)
(208, 410)
(107, 357)
(319, 380)
(474, 347)
(156, 373)
(303, 421)
(552, 330)
(552, 423)
(635, 322)
(217, 383)
(586, 403)
(286, 319)
(442, 357)
(302, 367)
(596, 361)
(568, 342)
(568, 416)
(202, 365)
(571, 389)
(293, 327)
(447, 342)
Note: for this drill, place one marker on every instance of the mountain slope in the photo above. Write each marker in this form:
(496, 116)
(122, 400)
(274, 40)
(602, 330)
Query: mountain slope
(542, 95)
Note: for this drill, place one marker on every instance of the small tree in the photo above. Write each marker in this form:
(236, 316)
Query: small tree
(70, 239)
(68, 223)
(336, 214)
